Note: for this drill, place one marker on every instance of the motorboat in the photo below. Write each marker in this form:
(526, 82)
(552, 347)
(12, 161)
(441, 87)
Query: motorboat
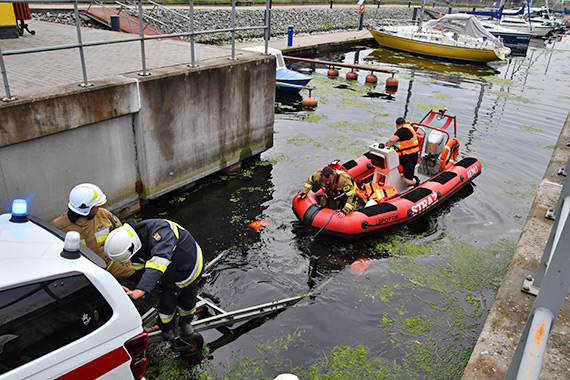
(512, 38)
(285, 79)
(385, 199)
(541, 23)
(456, 37)
(536, 27)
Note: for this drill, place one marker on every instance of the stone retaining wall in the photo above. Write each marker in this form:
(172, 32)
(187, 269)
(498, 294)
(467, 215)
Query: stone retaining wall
(305, 20)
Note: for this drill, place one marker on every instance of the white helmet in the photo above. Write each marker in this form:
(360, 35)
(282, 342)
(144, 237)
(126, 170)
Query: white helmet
(122, 243)
(83, 197)
(286, 376)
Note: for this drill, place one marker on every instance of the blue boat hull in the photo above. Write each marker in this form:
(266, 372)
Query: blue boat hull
(513, 39)
(284, 76)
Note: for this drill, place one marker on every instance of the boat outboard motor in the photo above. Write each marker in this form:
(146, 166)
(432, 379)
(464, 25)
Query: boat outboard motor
(429, 162)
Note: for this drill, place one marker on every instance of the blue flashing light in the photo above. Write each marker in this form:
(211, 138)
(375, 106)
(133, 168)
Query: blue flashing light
(19, 207)
(19, 211)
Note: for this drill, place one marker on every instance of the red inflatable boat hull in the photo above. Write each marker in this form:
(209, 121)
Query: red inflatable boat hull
(395, 211)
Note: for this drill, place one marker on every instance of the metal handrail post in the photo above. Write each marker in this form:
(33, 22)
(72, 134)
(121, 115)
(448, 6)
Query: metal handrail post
(192, 54)
(534, 349)
(267, 25)
(8, 97)
(141, 32)
(233, 29)
(551, 297)
(80, 42)
(543, 267)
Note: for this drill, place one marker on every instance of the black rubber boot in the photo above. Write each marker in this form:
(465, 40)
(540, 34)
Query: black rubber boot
(186, 325)
(417, 181)
(167, 331)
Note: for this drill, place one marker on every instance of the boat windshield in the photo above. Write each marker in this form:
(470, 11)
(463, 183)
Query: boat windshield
(461, 24)
(279, 58)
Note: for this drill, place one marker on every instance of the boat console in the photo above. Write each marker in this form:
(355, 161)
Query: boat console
(385, 162)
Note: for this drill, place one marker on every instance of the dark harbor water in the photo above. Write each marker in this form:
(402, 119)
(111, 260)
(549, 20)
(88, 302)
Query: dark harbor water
(417, 305)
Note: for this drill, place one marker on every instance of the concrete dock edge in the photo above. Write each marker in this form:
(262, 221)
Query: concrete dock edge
(501, 333)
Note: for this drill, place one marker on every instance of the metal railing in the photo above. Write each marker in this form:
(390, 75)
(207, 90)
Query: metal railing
(550, 285)
(191, 34)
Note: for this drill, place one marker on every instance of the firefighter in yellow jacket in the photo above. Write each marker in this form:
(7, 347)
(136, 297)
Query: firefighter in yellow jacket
(339, 189)
(93, 223)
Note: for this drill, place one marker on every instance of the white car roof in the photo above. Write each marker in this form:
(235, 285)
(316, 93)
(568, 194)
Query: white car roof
(28, 252)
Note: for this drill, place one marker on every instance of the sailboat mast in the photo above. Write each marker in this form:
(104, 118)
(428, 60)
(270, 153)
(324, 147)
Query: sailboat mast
(421, 15)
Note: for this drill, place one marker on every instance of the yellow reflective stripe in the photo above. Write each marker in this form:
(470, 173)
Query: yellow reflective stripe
(348, 206)
(102, 238)
(123, 257)
(95, 195)
(154, 265)
(307, 185)
(175, 226)
(137, 266)
(164, 318)
(185, 313)
(379, 194)
(195, 272)
(351, 192)
(109, 266)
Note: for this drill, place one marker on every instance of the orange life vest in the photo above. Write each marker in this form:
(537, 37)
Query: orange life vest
(404, 147)
(376, 192)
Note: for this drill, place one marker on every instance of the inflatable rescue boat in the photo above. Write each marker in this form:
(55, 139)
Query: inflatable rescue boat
(386, 201)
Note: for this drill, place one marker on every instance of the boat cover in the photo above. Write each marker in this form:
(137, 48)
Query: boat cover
(462, 24)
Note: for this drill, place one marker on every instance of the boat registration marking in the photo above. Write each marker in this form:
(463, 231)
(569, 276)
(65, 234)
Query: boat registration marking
(471, 172)
(424, 203)
(387, 219)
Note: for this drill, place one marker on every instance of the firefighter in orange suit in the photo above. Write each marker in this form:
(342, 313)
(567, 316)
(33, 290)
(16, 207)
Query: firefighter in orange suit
(339, 189)
(93, 223)
(405, 142)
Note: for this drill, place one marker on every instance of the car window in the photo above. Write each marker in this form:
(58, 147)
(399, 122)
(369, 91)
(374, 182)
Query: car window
(38, 318)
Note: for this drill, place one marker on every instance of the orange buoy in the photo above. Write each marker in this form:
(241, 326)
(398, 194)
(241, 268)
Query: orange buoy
(351, 75)
(309, 102)
(371, 78)
(333, 73)
(259, 224)
(391, 85)
(360, 265)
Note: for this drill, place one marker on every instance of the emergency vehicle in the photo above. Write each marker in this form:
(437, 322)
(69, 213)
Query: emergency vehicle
(62, 315)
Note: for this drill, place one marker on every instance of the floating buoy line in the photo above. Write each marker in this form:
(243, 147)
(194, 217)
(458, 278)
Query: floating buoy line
(391, 82)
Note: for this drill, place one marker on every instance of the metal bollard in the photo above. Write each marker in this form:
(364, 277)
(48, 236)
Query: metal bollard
(115, 23)
(290, 35)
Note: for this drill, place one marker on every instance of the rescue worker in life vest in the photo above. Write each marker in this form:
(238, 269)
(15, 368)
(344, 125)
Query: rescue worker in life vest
(165, 252)
(339, 189)
(405, 142)
(94, 223)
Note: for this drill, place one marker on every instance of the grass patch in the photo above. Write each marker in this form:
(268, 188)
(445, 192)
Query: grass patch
(532, 129)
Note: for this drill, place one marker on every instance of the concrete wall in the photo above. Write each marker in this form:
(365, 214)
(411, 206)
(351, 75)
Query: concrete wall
(162, 131)
(188, 131)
